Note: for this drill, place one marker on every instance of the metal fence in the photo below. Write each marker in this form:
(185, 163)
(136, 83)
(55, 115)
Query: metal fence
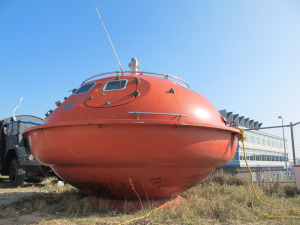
(284, 140)
(271, 153)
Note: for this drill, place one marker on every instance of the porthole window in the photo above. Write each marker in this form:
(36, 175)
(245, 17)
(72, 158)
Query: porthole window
(115, 85)
(85, 88)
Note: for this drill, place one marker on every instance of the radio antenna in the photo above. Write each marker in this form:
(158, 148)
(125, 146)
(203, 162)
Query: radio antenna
(14, 112)
(109, 40)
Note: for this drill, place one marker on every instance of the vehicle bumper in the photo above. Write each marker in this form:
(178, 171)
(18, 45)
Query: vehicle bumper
(29, 163)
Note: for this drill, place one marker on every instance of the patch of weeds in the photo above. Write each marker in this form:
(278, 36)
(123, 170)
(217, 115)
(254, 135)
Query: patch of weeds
(271, 189)
(290, 190)
(66, 202)
(222, 179)
(219, 179)
(235, 180)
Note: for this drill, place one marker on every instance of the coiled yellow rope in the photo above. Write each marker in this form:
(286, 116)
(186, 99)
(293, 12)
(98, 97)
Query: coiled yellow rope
(265, 215)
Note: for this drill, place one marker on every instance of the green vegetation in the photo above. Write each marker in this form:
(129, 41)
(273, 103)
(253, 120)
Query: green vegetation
(221, 199)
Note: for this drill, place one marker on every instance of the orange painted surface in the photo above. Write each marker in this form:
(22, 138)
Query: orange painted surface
(104, 150)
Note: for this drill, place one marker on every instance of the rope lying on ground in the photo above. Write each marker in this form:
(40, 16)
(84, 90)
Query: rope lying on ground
(141, 217)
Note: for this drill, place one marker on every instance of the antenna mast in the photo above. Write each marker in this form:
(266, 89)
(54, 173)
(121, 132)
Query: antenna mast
(14, 112)
(109, 39)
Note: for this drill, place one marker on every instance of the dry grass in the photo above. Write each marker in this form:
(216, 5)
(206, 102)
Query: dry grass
(64, 201)
(219, 200)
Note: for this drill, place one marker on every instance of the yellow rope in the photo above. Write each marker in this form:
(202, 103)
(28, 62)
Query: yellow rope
(141, 217)
(265, 215)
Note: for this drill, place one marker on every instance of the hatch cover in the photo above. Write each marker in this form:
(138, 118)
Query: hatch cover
(110, 93)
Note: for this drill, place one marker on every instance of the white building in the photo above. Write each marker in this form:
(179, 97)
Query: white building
(263, 151)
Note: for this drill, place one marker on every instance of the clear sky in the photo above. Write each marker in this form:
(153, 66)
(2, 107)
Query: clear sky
(243, 56)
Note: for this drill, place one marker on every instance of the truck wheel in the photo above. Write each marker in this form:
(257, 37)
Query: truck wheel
(16, 174)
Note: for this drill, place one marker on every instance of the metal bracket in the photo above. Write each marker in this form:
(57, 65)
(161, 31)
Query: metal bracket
(118, 76)
(48, 113)
(135, 93)
(136, 80)
(109, 101)
(73, 90)
(136, 116)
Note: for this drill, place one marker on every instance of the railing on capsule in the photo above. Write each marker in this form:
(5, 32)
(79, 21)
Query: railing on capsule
(122, 73)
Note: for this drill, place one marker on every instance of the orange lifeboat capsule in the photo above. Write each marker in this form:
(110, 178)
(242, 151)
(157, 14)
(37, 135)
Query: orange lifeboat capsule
(134, 133)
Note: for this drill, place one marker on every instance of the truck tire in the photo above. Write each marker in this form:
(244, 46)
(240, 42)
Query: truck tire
(16, 174)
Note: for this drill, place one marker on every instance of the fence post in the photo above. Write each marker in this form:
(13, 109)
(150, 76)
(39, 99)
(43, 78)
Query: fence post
(293, 144)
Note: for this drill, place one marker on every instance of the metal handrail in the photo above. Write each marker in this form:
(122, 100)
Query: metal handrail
(281, 126)
(296, 123)
(155, 113)
(140, 73)
(261, 128)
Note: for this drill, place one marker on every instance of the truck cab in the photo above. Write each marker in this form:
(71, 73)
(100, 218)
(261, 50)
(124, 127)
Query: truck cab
(16, 160)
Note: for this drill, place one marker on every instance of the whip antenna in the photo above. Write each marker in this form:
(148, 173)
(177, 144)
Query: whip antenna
(109, 39)
(14, 112)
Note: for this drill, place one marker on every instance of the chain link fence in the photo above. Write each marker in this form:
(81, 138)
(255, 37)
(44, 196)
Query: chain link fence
(271, 153)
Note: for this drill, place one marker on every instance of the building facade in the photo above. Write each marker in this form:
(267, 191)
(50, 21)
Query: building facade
(264, 152)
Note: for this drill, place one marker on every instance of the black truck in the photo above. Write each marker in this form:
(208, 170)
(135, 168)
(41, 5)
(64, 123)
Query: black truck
(16, 160)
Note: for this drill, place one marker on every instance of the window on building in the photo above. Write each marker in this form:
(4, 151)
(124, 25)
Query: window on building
(273, 158)
(242, 157)
(281, 158)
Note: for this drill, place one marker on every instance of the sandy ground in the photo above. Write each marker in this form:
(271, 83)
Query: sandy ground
(10, 199)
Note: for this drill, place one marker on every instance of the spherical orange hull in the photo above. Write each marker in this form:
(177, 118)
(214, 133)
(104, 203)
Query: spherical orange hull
(118, 154)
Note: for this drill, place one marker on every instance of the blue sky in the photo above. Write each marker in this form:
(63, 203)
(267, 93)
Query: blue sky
(244, 56)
